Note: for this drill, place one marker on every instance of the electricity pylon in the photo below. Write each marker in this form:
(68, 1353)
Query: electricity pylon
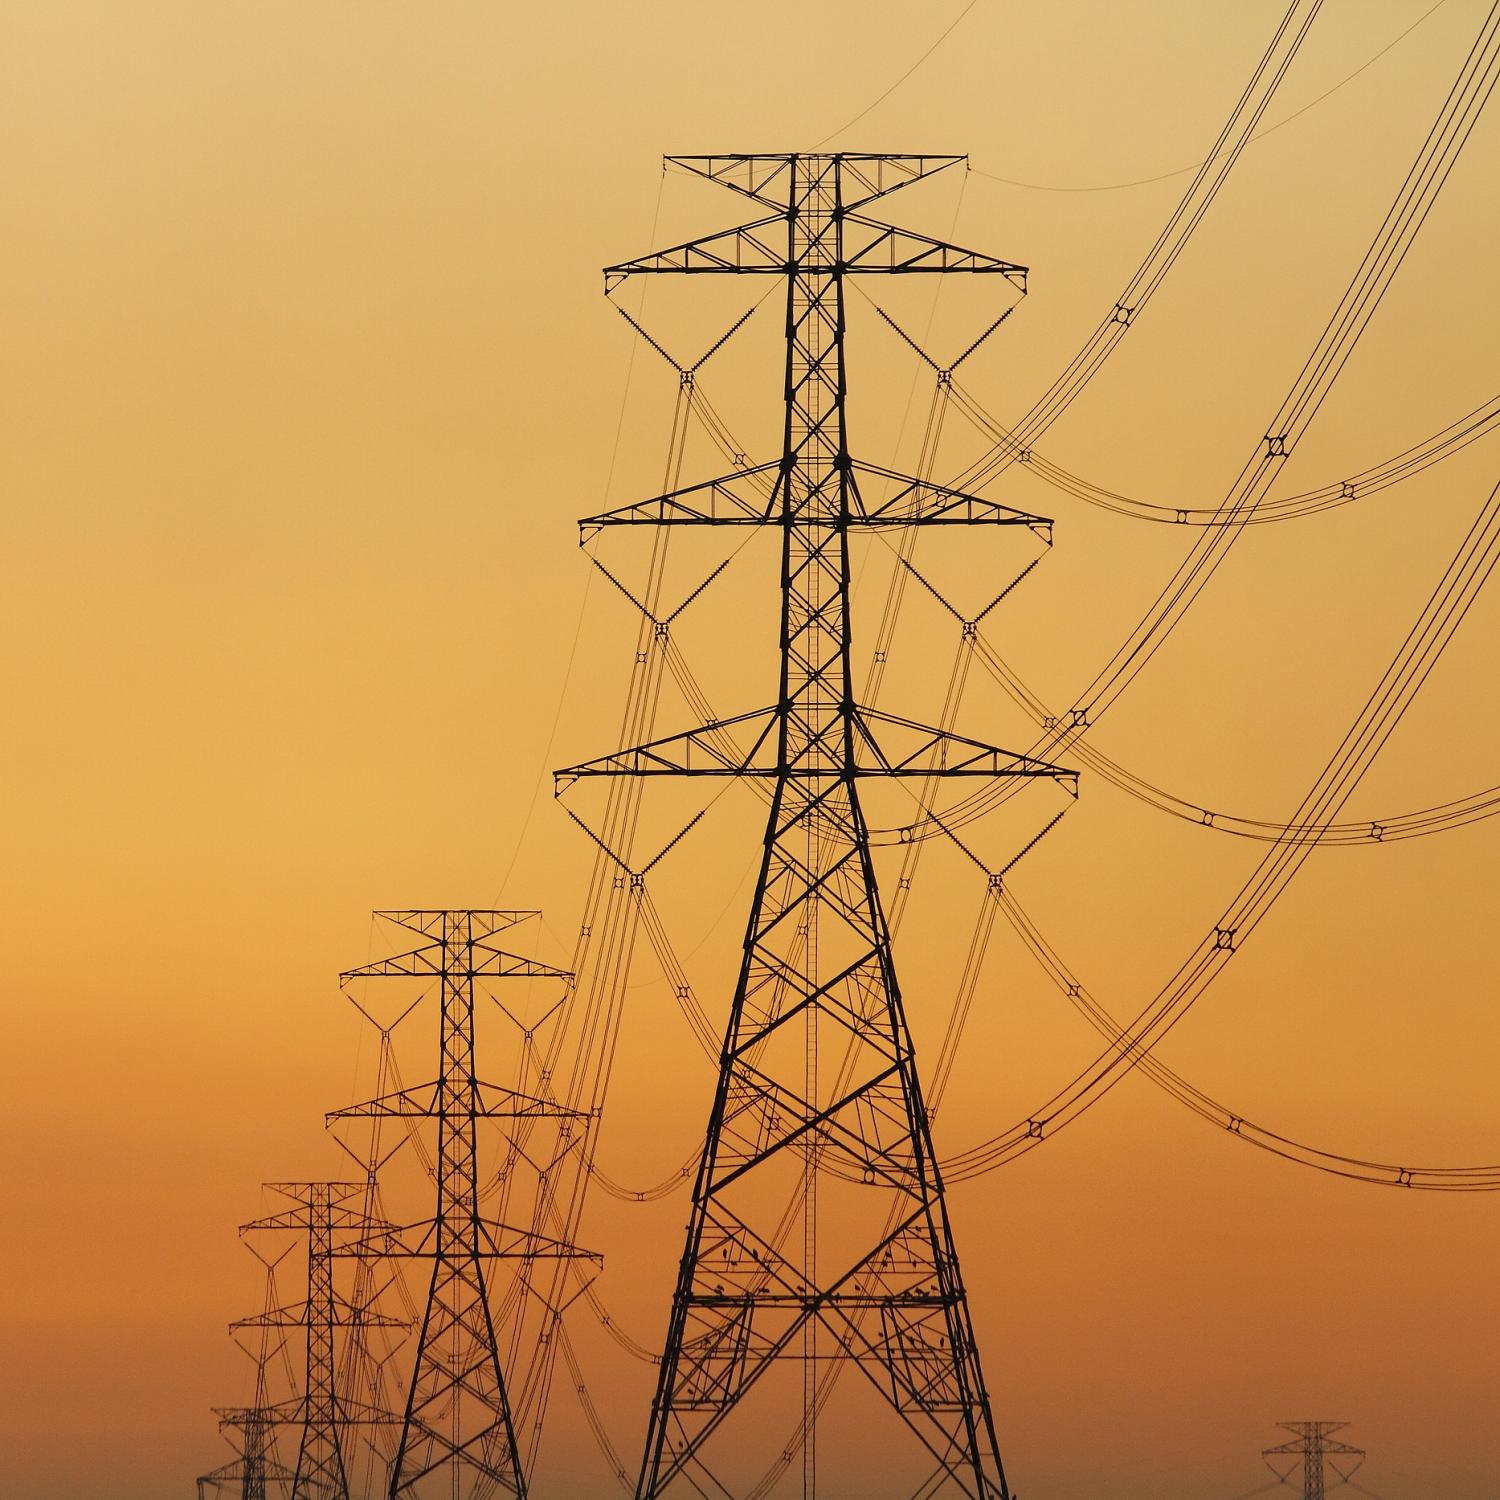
(882, 1291)
(323, 1211)
(255, 1464)
(1313, 1449)
(458, 1425)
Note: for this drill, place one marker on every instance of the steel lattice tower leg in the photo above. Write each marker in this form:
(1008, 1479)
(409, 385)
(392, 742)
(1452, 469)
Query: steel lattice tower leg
(884, 1293)
(458, 1426)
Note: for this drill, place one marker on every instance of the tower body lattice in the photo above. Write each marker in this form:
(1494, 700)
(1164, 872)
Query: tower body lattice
(819, 1239)
(1315, 1451)
(458, 1434)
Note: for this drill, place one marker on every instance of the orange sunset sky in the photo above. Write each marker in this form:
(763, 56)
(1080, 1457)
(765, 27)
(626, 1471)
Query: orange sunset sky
(305, 377)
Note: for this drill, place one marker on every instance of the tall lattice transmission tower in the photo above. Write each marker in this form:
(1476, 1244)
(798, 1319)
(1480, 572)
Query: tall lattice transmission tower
(331, 1215)
(819, 1239)
(458, 1434)
(1316, 1452)
(319, 1414)
(255, 1464)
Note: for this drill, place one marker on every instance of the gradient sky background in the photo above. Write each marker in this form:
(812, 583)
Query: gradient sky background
(305, 376)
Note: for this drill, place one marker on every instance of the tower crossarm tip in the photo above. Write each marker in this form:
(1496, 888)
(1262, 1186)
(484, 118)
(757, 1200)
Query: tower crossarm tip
(887, 248)
(919, 502)
(746, 250)
(697, 752)
(731, 500)
(908, 748)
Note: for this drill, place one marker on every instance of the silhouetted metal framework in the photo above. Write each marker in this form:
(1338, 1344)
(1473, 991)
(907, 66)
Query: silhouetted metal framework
(458, 1426)
(255, 1463)
(817, 964)
(326, 1212)
(1314, 1450)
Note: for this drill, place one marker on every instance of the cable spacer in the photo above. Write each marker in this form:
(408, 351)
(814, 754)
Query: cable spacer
(1276, 445)
(1224, 938)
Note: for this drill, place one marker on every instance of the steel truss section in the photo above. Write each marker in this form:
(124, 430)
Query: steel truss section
(881, 1290)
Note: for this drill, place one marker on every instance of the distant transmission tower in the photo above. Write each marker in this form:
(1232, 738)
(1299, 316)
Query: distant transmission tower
(323, 1211)
(1313, 1449)
(861, 1269)
(458, 1433)
(255, 1464)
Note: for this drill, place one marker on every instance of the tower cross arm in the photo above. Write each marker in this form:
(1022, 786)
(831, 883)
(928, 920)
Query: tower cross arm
(733, 500)
(907, 748)
(481, 961)
(870, 247)
(904, 748)
(767, 176)
(697, 752)
(747, 249)
(300, 1314)
(887, 248)
(424, 1101)
(919, 502)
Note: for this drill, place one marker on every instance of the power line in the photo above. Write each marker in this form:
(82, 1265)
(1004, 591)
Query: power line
(942, 37)
(1260, 135)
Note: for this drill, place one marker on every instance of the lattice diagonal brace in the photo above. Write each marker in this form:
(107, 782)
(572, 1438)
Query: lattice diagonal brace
(817, 967)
